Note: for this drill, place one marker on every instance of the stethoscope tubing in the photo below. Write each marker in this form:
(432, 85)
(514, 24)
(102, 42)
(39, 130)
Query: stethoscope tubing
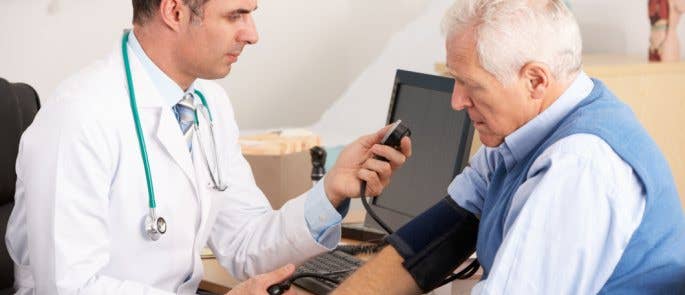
(152, 224)
(136, 119)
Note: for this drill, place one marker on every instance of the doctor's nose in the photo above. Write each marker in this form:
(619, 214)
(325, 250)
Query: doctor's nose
(249, 33)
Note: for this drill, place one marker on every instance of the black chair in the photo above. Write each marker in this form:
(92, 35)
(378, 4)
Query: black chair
(18, 105)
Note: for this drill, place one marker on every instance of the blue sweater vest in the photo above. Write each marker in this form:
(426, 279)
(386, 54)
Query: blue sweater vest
(654, 260)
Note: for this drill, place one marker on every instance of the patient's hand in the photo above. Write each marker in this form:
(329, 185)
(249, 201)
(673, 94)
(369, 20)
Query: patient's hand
(257, 285)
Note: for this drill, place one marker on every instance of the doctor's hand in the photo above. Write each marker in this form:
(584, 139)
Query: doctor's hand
(257, 285)
(356, 163)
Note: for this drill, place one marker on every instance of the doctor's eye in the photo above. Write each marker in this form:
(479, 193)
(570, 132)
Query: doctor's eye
(233, 17)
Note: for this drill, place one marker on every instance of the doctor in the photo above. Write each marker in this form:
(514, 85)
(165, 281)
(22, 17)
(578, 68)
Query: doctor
(133, 167)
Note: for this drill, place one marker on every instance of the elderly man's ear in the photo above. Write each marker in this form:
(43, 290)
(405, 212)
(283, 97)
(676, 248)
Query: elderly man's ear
(537, 78)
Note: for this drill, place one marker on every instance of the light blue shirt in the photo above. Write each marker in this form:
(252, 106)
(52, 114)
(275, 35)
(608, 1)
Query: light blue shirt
(567, 226)
(320, 215)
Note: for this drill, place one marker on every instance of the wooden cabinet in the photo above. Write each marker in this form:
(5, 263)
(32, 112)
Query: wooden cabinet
(656, 93)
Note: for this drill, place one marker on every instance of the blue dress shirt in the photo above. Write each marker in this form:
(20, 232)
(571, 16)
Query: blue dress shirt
(321, 217)
(546, 246)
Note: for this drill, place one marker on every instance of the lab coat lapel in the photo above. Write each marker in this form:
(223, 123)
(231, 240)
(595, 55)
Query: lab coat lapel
(171, 138)
(168, 131)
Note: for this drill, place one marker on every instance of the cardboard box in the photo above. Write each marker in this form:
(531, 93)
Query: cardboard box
(282, 177)
(280, 162)
(277, 143)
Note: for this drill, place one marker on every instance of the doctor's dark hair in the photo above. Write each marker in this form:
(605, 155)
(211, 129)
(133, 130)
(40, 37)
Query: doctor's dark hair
(144, 9)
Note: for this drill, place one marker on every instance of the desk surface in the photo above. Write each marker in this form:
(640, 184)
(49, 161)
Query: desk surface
(218, 281)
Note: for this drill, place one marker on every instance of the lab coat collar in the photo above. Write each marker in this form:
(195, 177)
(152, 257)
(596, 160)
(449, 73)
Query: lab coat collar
(170, 92)
(168, 131)
(147, 94)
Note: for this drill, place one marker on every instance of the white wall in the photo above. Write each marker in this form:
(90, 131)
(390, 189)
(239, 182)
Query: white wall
(615, 26)
(309, 50)
(42, 42)
(363, 107)
(312, 54)
(607, 26)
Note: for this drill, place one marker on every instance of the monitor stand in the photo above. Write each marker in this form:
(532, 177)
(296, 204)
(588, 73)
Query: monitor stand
(359, 232)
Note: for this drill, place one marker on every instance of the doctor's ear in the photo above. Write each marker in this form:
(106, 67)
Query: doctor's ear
(174, 13)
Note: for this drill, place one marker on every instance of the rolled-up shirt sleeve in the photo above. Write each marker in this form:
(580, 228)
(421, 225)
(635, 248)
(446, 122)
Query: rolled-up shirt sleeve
(469, 187)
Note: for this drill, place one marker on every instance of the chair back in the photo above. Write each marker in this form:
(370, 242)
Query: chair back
(19, 103)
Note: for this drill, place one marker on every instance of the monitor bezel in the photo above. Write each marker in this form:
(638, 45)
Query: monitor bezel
(427, 81)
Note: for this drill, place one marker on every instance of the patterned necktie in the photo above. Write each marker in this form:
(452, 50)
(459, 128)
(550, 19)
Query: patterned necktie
(185, 114)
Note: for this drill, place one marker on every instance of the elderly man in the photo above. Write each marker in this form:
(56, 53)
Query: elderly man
(569, 195)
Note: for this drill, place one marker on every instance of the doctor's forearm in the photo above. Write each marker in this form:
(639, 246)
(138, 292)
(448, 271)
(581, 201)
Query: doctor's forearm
(382, 275)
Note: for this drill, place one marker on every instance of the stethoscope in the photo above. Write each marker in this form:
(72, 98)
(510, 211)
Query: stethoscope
(155, 226)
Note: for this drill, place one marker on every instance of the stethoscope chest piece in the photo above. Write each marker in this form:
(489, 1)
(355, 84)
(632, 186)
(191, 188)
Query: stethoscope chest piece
(155, 226)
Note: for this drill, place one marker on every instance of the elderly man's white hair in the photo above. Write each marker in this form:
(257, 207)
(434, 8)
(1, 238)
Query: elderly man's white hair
(511, 33)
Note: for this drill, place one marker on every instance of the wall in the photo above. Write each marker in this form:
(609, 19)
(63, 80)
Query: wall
(308, 52)
(608, 26)
(312, 56)
(615, 26)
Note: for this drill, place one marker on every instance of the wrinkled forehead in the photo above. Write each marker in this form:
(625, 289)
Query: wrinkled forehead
(461, 49)
(463, 62)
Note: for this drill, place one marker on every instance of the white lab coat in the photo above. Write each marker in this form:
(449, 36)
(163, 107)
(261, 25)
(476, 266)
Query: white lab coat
(77, 225)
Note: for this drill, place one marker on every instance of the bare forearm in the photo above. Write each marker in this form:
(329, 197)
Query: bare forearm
(382, 275)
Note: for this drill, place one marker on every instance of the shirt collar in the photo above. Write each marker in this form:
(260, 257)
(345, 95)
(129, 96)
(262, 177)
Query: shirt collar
(170, 91)
(518, 144)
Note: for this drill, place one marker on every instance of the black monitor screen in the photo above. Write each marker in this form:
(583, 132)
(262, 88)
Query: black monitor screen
(441, 138)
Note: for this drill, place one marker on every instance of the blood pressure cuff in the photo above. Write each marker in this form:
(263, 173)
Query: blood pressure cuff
(436, 242)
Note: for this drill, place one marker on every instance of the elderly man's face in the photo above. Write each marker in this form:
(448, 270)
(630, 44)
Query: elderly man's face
(495, 110)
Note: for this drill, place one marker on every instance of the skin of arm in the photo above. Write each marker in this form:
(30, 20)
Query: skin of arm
(384, 274)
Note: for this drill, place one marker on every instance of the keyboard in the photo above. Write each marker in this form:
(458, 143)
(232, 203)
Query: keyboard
(330, 262)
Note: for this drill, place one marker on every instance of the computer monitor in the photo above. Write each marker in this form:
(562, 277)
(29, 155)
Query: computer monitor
(441, 141)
